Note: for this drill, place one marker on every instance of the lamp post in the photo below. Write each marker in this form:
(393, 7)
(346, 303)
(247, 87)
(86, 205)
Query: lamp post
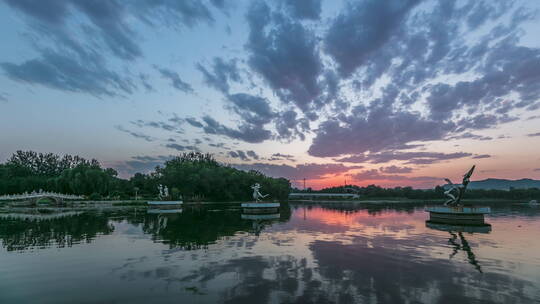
(136, 193)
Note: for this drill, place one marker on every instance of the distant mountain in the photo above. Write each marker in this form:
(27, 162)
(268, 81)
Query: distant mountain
(504, 184)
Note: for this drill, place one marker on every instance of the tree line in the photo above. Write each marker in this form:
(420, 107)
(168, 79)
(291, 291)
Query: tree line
(191, 176)
(373, 191)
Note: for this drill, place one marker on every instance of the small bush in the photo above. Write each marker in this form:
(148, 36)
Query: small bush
(95, 196)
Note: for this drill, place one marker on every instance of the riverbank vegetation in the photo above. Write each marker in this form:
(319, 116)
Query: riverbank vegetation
(373, 191)
(192, 176)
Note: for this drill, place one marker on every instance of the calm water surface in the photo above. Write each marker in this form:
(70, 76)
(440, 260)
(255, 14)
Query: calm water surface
(310, 254)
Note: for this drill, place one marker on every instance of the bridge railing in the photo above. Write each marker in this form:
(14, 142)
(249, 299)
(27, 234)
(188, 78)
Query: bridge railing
(40, 194)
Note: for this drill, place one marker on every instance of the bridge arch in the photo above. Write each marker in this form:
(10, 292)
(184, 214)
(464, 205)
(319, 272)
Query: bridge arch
(56, 200)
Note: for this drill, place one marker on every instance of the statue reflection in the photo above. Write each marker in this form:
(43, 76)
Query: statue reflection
(465, 247)
(260, 221)
(458, 241)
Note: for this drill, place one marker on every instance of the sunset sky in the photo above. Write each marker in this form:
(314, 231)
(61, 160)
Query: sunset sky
(394, 93)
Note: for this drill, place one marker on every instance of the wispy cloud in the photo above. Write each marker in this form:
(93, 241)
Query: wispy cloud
(179, 147)
(175, 80)
(135, 134)
(420, 157)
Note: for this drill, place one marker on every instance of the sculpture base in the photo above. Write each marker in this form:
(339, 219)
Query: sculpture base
(458, 215)
(260, 208)
(165, 204)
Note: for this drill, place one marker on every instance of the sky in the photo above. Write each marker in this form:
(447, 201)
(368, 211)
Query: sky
(393, 93)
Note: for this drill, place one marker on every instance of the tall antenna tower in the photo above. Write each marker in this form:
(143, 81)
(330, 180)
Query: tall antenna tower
(304, 183)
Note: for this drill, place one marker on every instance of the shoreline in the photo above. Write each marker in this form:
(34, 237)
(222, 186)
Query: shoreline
(378, 201)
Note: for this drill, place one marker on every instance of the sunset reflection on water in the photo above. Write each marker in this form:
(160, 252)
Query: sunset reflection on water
(333, 253)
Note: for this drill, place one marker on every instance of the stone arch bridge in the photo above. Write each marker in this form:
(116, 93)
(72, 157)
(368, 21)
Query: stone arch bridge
(34, 197)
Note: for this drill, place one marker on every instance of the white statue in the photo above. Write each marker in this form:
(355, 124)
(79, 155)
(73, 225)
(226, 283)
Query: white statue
(257, 196)
(163, 191)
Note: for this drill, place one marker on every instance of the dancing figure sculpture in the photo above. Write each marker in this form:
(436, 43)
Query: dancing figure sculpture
(257, 196)
(163, 192)
(455, 193)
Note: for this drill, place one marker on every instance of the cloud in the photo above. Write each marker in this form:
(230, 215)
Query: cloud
(284, 53)
(135, 134)
(73, 50)
(219, 145)
(252, 154)
(374, 129)
(162, 158)
(158, 125)
(280, 156)
(254, 113)
(362, 29)
(244, 155)
(144, 81)
(300, 171)
(533, 134)
(481, 156)
(537, 169)
(306, 9)
(396, 52)
(139, 164)
(469, 135)
(68, 73)
(53, 12)
(218, 3)
(175, 79)
(410, 157)
(239, 154)
(374, 174)
(174, 13)
(179, 147)
(194, 122)
(378, 78)
(395, 169)
(107, 16)
(221, 74)
(245, 132)
(254, 110)
(506, 69)
(289, 126)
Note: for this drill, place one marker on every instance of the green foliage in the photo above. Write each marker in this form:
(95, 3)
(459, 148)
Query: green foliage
(94, 196)
(27, 171)
(25, 163)
(199, 176)
(190, 176)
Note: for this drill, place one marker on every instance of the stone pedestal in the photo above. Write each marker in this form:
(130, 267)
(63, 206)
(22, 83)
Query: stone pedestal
(458, 215)
(260, 208)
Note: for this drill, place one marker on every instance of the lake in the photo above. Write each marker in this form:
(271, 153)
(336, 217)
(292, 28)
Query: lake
(319, 253)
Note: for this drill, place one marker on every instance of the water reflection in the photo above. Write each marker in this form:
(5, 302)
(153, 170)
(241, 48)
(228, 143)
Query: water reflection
(308, 254)
(21, 232)
(456, 233)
